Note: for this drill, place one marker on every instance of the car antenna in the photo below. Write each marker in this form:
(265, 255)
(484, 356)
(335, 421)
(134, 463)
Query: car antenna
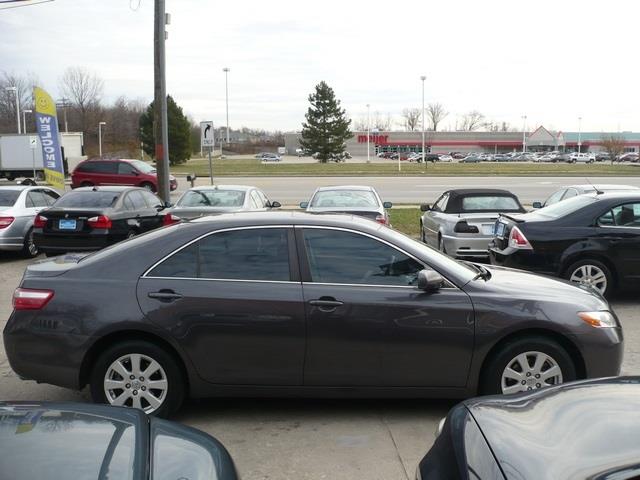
(598, 192)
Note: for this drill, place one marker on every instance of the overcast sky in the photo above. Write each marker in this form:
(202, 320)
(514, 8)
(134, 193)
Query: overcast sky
(551, 60)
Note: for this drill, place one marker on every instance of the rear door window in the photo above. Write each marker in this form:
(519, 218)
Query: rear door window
(108, 168)
(555, 198)
(627, 215)
(36, 198)
(138, 200)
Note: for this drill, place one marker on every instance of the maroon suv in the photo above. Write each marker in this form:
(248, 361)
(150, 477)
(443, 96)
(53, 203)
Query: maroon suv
(118, 172)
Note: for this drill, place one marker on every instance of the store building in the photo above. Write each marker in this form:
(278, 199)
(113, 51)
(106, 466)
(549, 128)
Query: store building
(540, 139)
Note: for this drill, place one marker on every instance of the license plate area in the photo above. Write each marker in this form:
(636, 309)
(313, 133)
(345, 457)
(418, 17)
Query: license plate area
(66, 224)
(487, 229)
(499, 229)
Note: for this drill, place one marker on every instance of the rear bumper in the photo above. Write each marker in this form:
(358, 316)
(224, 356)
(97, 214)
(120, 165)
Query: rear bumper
(76, 243)
(522, 260)
(12, 237)
(467, 247)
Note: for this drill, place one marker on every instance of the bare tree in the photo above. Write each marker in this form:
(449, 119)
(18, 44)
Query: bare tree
(24, 85)
(381, 122)
(614, 145)
(360, 125)
(84, 89)
(472, 121)
(435, 114)
(411, 118)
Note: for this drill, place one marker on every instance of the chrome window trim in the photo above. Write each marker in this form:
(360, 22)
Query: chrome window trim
(389, 244)
(188, 244)
(222, 280)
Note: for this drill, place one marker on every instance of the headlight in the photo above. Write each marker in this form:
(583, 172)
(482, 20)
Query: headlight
(598, 319)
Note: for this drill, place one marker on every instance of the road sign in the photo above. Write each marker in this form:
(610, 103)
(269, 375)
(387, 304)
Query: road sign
(33, 142)
(207, 138)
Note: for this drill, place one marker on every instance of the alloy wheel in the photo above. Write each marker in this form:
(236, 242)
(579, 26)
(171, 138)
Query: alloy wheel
(530, 371)
(136, 380)
(591, 276)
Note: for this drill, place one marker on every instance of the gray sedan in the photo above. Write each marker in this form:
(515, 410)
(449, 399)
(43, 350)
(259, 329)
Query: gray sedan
(358, 200)
(461, 222)
(19, 205)
(200, 201)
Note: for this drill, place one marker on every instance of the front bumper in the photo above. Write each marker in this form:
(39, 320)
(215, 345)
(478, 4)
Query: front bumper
(467, 247)
(603, 353)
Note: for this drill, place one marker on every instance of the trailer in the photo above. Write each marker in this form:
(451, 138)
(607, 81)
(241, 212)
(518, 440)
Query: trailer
(21, 155)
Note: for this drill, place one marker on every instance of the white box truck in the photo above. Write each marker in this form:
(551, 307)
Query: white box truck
(20, 156)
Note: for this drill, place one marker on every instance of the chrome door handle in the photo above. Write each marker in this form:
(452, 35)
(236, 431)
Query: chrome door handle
(165, 296)
(326, 304)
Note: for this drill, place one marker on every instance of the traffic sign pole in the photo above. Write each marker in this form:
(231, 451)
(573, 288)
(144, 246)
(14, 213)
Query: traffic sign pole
(207, 139)
(210, 167)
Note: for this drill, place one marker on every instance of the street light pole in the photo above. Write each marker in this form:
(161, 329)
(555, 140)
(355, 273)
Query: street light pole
(15, 90)
(368, 131)
(160, 126)
(579, 134)
(24, 119)
(100, 137)
(423, 78)
(524, 133)
(226, 90)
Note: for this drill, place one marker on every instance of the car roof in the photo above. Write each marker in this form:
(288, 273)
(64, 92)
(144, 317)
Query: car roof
(344, 187)
(223, 187)
(16, 187)
(478, 191)
(110, 188)
(616, 194)
(598, 186)
(288, 218)
(112, 160)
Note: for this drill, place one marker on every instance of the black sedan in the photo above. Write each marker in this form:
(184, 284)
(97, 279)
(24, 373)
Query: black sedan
(91, 218)
(78, 441)
(592, 239)
(290, 303)
(588, 429)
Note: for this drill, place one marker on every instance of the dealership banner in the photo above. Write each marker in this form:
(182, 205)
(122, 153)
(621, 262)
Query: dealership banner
(47, 124)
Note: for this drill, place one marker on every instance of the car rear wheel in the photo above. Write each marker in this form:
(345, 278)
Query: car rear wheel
(138, 374)
(591, 273)
(441, 246)
(30, 249)
(148, 186)
(527, 364)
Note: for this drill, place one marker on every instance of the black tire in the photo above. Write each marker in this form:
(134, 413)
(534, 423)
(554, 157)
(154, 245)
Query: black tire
(29, 250)
(175, 381)
(423, 237)
(490, 382)
(441, 246)
(131, 234)
(610, 285)
(148, 186)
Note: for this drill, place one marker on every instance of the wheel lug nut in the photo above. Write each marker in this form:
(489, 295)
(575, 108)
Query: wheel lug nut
(528, 374)
(142, 379)
(132, 377)
(135, 392)
(537, 375)
(144, 388)
(523, 382)
(528, 388)
(538, 385)
(128, 385)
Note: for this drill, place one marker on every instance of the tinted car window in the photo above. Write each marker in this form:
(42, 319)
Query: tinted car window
(8, 197)
(212, 198)
(490, 203)
(88, 199)
(627, 215)
(87, 167)
(64, 445)
(142, 166)
(138, 200)
(50, 196)
(105, 167)
(343, 257)
(37, 198)
(250, 254)
(555, 198)
(125, 169)
(181, 264)
(344, 198)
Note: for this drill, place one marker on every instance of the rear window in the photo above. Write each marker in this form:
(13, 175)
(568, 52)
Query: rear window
(490, 203)
(63, 445)
(88, 199)
(566, 207)
(344, 199)
(8, 197)
(212, 198)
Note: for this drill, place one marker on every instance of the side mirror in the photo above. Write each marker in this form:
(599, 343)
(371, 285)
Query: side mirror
(429, 280)
(387, 204)
(537, 205)
(304, 204)
(160, 207)
(275, 205)
(425, 207)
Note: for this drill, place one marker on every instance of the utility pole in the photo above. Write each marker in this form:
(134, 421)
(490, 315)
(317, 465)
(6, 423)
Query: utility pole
(424, 159)
(524, 134)
(160, 128)
(226, 91)
(368, 131)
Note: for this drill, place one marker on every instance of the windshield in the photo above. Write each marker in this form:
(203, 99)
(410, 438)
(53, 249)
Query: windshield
(8, 197)
(566, 207)
(56, 444)
(344, 199)
(88, 199)
(142, 166)
(212, 198)
(495, 203)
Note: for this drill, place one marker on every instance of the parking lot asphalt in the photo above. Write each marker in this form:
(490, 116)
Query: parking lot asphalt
(302, 438)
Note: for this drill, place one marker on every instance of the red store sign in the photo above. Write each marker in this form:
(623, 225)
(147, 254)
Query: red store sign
(377, 139)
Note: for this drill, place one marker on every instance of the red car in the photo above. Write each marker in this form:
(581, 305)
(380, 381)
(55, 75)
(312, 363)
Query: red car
(118, 172)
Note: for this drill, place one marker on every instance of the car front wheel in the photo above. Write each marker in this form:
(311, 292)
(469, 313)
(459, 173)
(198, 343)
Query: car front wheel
(527, 364)
(138, 374)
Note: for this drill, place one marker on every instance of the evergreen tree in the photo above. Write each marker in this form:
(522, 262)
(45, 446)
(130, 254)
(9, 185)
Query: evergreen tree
(179, 133)
(327, 127)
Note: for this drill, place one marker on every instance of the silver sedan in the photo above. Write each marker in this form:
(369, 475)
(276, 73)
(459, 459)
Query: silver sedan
(461, 222)
(18, 207)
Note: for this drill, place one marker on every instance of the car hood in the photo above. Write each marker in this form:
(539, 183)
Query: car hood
(587, 429)
(509, 282)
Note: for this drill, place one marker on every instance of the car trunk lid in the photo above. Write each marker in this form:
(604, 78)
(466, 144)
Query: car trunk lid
(70, 221)
(53, 267)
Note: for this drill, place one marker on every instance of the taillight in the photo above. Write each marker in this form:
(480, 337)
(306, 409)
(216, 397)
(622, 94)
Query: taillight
(382, 219)
(169, 219)
(518, 240)
(463, 227)
(5, 222)
(30, 299)
(40, 221)
(101, 221)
